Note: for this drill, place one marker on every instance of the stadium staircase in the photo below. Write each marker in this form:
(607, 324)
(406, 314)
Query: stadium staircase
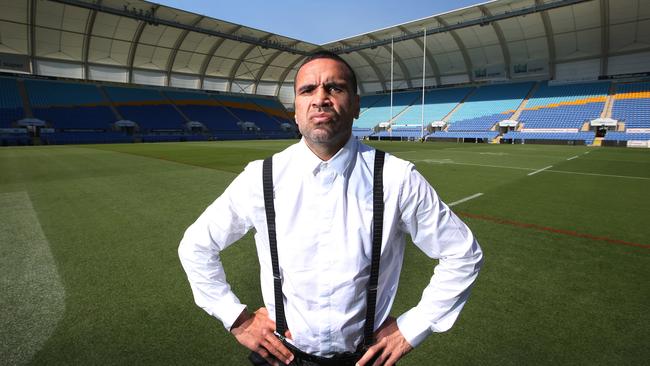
(27, 107)
(403, 111)
(609, 102)
(269, 113)
(460, 104)
(598, 141)
(110, 102)
(224, 106)
(171, 102)
(522, 106)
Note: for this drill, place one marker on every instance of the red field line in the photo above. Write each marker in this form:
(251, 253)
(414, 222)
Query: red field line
(552, 230)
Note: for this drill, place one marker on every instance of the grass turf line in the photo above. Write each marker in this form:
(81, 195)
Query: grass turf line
(33, 297)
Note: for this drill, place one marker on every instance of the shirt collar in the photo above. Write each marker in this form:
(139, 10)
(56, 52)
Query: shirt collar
(339, 162)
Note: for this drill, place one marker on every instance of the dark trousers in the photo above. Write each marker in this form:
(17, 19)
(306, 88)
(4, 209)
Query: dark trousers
(304, 359)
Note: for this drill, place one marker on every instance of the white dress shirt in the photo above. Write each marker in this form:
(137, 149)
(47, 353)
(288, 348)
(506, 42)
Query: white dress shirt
(324, 220)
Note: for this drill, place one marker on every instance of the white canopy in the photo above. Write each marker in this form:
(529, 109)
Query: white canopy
(136, 41)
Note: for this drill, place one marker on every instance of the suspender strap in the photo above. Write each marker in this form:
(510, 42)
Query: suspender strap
(377, 232)
(267, 183)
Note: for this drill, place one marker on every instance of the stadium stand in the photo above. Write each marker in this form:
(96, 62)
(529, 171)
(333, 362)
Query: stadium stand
(632, 105)
(201, 107)
(437, 104)
(581, 137)
(487, 106)
(147, 107)
(485, 136)
(18, 137)
(368, 101)
(78, 137)
(11, 107)
(380, 111)
(69, 105)
(565, 107)
(623, 136)
(250, 110)
(82, 112)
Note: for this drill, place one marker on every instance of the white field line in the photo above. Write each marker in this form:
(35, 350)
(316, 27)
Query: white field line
(465, 199)
(33, 297)
(573, 157)
(599, 175)
(448, 161)
(540, 170)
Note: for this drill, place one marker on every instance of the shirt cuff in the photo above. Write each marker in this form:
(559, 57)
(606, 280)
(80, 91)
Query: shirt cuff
(413, 327)
(229, 318)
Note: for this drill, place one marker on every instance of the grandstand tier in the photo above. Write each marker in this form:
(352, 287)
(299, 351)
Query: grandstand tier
(632, 105)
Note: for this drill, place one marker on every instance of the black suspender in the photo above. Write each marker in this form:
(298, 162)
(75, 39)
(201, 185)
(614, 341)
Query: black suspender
(377, 231)
(377, 224)
(267, 182)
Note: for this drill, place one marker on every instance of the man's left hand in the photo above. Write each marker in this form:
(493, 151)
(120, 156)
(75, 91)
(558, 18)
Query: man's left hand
(390, 346)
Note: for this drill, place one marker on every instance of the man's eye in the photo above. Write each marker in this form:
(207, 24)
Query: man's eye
(333, 88)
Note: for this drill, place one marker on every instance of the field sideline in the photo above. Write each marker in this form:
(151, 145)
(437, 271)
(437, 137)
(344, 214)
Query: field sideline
(90, 273)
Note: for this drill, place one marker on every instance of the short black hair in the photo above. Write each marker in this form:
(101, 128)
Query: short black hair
(332, 56)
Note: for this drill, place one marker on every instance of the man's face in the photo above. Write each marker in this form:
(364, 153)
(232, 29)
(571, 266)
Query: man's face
(325, 103)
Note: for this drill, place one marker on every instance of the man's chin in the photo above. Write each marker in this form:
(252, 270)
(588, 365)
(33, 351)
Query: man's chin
(325, 138)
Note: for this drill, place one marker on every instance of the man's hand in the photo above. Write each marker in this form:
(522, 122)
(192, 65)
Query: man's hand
(255, 332)
(390, 346)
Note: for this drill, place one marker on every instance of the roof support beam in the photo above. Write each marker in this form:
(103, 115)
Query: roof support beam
(550, 40)
(240, 61)
(374, 67)
(152, 19)
(133, 49)
(405, 71)
(290, 67)
(266, 65)
(177, 45)
(538, 7)
(604, 37)
(86, 47)
(32, 33)
(432, 61)
(501, 38)
(210, 55)
(462, 48)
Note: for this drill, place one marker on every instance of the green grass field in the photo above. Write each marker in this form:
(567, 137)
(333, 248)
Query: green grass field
(90, 273)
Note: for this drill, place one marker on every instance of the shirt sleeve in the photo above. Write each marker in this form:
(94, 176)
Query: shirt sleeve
(221, 224)
(441, 235)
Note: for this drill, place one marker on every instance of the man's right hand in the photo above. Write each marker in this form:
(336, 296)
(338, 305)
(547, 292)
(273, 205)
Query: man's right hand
(256, 332)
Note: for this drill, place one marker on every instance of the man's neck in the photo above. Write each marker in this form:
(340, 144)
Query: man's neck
(325, 151)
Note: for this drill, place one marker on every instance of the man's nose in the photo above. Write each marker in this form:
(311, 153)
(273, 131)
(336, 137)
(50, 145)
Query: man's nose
(321, 97)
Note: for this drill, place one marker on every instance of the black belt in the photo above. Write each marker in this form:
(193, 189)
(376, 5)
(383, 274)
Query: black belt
(377, 228)
(301, 358)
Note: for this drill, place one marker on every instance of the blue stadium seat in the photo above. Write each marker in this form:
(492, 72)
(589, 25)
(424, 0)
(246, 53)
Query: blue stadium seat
(564, 106)
(11, 106)
(632, 105)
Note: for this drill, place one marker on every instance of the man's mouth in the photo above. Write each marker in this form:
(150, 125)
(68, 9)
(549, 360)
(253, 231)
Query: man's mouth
(321, 117)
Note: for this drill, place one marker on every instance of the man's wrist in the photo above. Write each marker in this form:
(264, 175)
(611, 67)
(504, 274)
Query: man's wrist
(413, 328)
(241, 319)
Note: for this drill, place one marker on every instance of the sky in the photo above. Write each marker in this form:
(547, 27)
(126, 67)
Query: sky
(318, 22)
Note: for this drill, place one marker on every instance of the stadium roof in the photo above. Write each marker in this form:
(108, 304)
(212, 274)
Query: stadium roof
(147, 43)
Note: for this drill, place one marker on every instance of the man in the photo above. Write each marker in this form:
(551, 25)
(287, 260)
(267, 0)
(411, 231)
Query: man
(322, 194)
